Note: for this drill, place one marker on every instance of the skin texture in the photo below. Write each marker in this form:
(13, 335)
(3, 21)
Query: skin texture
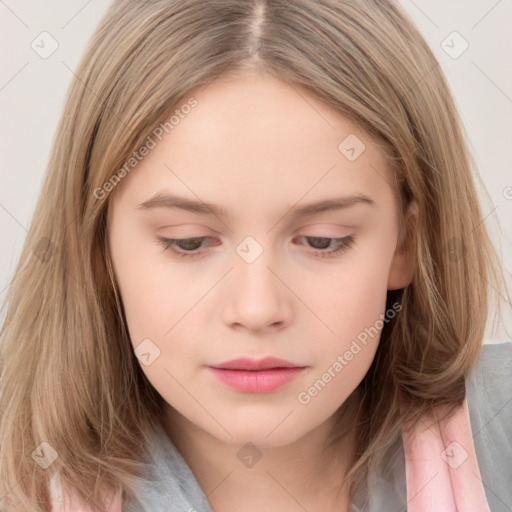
(256, 146)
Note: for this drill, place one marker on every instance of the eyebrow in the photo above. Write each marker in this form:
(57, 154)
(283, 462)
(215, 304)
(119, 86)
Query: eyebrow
(165, 200)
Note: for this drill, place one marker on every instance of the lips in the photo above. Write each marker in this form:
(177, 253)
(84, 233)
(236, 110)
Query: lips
(256, 375)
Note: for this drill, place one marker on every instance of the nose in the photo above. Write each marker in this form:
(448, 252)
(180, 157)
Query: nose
(258, 298)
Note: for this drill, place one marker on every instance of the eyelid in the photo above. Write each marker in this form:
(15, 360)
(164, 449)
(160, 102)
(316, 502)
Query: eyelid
(335, 224)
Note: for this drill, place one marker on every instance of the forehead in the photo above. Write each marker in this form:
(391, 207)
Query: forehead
(253, 141)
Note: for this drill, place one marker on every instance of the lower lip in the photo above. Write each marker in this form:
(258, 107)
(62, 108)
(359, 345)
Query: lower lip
(261, 381)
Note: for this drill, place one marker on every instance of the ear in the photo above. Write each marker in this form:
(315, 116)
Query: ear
(404, 259)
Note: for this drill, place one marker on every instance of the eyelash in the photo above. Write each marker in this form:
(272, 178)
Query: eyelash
(343, 244)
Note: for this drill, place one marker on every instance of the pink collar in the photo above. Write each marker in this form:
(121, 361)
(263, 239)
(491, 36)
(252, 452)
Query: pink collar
(441, 467)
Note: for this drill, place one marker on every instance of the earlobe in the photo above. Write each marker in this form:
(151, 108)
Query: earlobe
(402, 266)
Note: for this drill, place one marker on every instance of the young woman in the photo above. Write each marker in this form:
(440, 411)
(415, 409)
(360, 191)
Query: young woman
(257, 276)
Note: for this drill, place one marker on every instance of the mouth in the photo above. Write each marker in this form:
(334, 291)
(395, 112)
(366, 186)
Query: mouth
(245, 363)
(256, 376)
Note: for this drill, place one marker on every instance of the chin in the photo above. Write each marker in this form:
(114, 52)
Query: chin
(262, 436)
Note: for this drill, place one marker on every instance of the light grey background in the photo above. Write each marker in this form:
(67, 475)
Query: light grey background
(32, 91)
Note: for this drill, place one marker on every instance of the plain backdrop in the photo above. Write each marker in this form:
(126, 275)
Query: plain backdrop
(472, 40)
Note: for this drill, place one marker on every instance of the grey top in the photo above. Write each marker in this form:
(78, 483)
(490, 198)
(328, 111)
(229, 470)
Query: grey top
(172, 487)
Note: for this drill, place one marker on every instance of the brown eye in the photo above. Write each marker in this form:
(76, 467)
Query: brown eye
(182, 247)
(319, 242)
(334, 246)
(189, 244)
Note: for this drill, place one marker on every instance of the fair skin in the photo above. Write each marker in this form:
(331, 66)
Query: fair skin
(256, 147)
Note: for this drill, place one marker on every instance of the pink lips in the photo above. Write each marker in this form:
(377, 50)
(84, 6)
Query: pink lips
(256, 376)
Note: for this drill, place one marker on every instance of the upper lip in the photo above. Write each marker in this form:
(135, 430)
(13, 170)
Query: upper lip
(245, 363)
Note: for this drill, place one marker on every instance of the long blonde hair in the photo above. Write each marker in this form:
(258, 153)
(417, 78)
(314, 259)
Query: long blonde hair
(68, 374)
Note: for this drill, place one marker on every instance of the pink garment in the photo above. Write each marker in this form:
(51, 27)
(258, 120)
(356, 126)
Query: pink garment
(441, 468)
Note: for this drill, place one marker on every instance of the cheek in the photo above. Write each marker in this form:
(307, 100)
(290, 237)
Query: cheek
(351, 298)
(161, 307)
(354, 310)
(353, 304)
(155, 294)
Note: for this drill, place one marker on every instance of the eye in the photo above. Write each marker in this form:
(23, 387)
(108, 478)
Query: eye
(334, 246)
(187, 246)
(190, 247)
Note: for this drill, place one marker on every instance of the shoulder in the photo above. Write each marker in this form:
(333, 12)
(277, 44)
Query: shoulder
(497, 354)
(489, 396)
(490, 383)
(169, 483)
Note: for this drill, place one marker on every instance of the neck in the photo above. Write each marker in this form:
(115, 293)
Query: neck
(300, 475)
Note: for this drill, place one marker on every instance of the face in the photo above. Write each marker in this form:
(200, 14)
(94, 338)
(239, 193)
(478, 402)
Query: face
(260, 272)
